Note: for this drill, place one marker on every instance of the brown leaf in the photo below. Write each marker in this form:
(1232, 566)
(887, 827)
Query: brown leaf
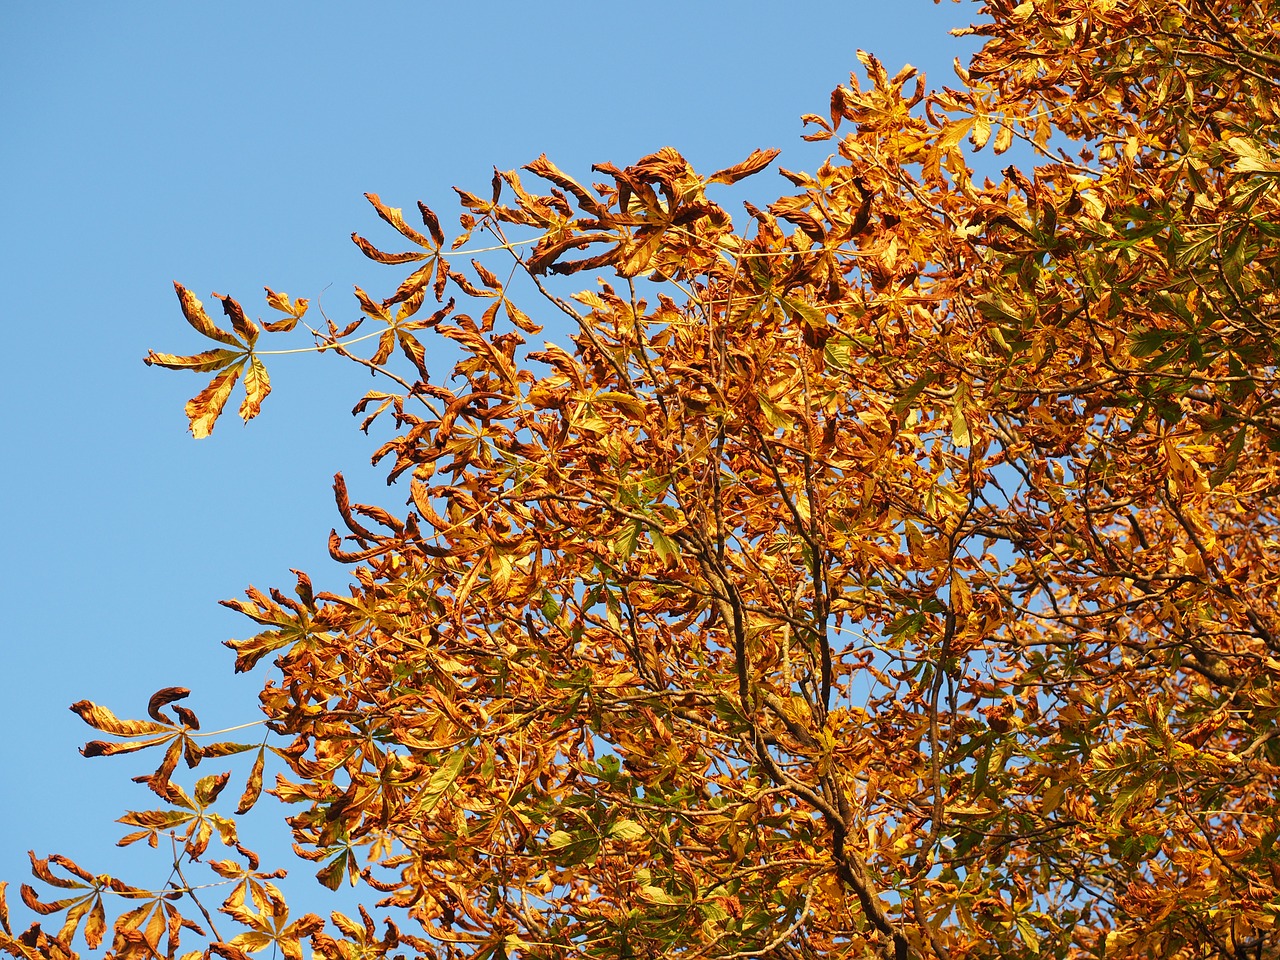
(412, 348)
(224, 748)
(386, 343)
(186, 717)
(104, 748)
(162, 698)
(414, 283)
(520, 318)
(758, 160)
(432, 223)
(227, 951)
(371, 307)
(33, 902)
(95, 925)
(549, 171)
(245, 328)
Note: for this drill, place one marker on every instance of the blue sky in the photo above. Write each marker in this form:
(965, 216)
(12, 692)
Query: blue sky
(228, 146)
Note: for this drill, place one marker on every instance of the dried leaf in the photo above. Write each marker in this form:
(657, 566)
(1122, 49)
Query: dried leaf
(194, 311)
(758, 160)
(205, 407)
(256, 387)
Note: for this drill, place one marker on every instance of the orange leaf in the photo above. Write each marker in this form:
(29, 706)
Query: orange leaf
(395, 217)
(207, 362)
(100, 718)
(281, 302)
(95, 925)
(253, 788)
(193, 310)
(33, 902)
(758, 160)
(373, 253)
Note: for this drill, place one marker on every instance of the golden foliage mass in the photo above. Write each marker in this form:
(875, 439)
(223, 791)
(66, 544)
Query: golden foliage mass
(892, 573)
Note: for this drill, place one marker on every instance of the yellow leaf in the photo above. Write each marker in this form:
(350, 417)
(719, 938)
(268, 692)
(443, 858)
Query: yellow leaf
(982, 131)
(1004, 138)
(959, 427)
(256, 387)
(953, 133)
(205, 407)
(194, 311)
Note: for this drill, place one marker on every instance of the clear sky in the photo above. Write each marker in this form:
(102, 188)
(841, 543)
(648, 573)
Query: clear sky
(227, 145)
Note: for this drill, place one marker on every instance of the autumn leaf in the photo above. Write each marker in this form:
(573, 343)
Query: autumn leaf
(194, 311)
(758, 160)
(891, 572)
(205, 407)
(256, 387)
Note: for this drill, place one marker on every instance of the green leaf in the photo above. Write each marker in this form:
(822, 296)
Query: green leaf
(332, 872)
(666, 548)
(627, 830)
(624, 542)
(1028, 933)
(559, 839)
(993, 307)
(1148, 342)
(656, 895)
(914, 391)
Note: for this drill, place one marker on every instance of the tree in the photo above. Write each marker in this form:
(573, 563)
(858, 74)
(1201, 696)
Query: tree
(894, 573)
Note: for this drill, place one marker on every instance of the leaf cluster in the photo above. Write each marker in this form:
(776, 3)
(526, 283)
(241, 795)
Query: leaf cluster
(889, 572)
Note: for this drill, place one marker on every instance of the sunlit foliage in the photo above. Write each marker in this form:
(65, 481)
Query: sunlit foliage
(889, 571)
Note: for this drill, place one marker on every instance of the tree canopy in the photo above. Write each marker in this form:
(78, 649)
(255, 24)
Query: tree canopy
(891, 570)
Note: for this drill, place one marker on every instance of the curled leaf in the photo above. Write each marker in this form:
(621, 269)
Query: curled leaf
(206, 362)
(100, 718)
(758, 160)
(253, 788)
(194, 311)
(163, 697)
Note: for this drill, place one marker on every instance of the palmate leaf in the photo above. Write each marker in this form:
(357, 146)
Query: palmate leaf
(296, 309)
(204, 409)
